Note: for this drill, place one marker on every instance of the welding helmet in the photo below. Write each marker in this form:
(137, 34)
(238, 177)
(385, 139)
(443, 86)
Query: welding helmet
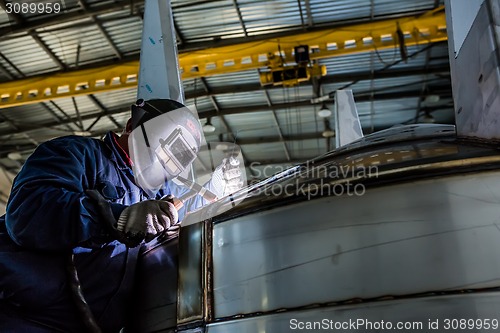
(165, 140)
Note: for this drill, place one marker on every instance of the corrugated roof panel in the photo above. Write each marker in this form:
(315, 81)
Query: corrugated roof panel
(64, 43)
(201, 104)
(77, 23)
(5, 20)
(104, 124)
(27, 56)
(180, 3)
(189, 86)
(341, 10)
(297, 121)
(206, 21)
(18, 140)
(263, 152)
(400, 84)
(389, 7)
(118, 98)
(126, 34)
(307, 149)
(289, 95)
(83, 103)
(121, 14)
(95, 3)
(349, 63)
(121, 118)
(8, 163)
(387, 113)
(395, 84)
(45, 134)
(384, 107)
(388, 120)
(235, 79)
(242, 126)
(27, 115)
(375, 60)
(9, 72)
(240, 100)
(269, 16)
(70, 4)
(252, 125)
(4, 126)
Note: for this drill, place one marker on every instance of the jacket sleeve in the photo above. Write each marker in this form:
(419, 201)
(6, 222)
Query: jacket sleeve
(48, 208)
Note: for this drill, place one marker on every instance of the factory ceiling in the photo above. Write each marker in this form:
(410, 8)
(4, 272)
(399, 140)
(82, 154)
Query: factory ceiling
(75, 72)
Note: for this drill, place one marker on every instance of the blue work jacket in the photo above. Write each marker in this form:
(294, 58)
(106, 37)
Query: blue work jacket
(48, 217)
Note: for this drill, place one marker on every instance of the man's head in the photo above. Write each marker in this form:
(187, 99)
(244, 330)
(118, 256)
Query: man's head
(164, 141)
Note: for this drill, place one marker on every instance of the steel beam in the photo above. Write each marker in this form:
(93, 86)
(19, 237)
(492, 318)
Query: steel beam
(428, 28)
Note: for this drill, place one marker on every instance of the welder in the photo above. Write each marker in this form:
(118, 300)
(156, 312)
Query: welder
(95, 202)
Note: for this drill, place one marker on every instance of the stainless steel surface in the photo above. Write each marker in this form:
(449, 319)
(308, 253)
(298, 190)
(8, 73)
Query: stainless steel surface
(416, 237)
(384, 150)
(429, 314)
(156, 285)
(463, 13)
(475, 74)
(192, 288)
(347, 123)
(423, 221)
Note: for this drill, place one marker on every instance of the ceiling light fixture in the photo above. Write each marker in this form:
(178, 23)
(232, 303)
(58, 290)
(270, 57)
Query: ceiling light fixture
(328, 133)
(14, 156)
(208, 127)
(324, 112)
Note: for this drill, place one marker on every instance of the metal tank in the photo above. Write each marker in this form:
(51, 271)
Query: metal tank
(397, 231)
(416, 241)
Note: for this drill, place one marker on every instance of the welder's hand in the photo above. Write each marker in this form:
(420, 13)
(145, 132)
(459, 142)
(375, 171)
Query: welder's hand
(226, 178)
(137, 222)
(146, 219)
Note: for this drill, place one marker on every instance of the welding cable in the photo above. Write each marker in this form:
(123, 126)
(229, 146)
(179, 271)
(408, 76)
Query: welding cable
(82, 307)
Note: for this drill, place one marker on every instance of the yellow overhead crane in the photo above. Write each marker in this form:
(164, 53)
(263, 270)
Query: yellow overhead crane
(270, 53)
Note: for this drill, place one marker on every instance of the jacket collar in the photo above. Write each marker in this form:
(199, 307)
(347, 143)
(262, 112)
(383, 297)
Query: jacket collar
(118, 154)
